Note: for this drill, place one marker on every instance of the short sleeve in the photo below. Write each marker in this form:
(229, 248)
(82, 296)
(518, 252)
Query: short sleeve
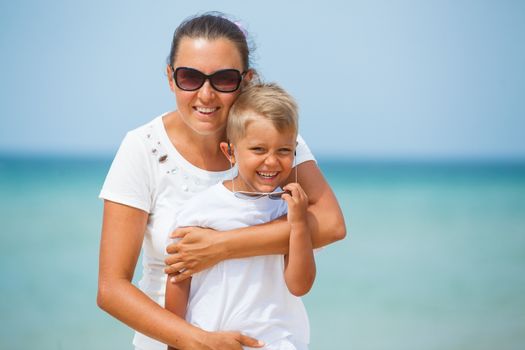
(129, 180)
(303, 153)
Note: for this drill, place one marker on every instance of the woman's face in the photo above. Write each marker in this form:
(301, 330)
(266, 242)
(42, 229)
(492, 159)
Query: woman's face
(205, 110)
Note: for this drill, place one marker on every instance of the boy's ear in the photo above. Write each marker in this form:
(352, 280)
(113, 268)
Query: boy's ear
(227, 149)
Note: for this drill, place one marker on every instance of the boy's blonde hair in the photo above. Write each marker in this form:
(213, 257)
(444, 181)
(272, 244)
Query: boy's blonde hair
(267, 100)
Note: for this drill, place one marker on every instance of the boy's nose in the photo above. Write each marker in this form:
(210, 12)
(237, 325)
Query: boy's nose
(271, 159)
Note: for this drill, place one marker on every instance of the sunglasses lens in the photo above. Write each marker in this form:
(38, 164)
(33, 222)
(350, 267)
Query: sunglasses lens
(277, 195)
(189, 79)
(247, 195)
(227, 80)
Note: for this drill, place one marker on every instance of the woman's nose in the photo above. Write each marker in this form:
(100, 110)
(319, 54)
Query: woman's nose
(206, 92)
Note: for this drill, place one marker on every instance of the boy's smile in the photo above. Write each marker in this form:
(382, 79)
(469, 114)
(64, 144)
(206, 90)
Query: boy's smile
(264, 156)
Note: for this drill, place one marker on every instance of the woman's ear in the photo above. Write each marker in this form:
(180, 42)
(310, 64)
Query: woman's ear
(169, 73)
(227, 149)
(249, 76)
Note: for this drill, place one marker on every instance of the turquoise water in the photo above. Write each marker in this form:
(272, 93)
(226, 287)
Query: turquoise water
(434, 259)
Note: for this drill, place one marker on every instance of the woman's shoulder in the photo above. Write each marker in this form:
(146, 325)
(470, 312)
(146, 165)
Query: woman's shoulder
(303, 152)
(140, 150)
(144, 137)
(146, 130)
(131, 179)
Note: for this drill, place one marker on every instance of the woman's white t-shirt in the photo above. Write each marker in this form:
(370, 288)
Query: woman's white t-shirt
(148, 173)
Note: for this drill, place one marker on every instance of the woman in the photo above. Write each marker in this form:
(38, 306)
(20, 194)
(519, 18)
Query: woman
(162, 164)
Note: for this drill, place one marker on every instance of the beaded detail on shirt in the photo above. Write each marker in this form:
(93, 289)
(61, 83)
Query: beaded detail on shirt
(159, 153)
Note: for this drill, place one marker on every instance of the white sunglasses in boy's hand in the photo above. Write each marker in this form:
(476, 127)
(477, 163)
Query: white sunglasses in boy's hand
(256, 195)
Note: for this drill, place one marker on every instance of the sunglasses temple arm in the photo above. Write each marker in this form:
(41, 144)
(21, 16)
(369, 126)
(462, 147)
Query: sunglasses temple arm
(295, 166)
(233, 182)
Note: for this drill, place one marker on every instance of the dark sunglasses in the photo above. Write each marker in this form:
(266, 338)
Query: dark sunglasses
(224, 80)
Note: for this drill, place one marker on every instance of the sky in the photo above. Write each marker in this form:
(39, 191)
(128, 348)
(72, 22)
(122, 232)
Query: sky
(374, 79)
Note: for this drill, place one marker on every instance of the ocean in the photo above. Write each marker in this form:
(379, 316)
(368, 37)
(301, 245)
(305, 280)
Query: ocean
(434, 257)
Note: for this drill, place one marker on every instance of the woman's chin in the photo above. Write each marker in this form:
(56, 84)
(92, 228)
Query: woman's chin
(207, 129)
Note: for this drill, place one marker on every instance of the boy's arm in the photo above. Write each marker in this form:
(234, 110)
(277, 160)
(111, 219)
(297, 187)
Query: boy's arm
(176, 298)
(299, 270)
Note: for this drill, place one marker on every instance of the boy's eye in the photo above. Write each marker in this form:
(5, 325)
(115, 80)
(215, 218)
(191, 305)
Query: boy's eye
(257, 149)
(285, 151)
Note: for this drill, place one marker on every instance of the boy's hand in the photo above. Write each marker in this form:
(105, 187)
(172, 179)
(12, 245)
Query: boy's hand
(297, 203)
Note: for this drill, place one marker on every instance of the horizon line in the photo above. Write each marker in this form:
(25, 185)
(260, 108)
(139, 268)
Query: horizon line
(322, 157)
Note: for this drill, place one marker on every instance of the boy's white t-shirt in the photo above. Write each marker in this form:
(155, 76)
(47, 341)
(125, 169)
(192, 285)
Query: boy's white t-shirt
(247, 294)
(149, 173)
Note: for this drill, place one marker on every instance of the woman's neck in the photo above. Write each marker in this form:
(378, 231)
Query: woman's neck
(203, 151)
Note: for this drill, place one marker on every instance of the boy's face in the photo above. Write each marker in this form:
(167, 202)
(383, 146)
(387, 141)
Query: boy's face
(264, 157)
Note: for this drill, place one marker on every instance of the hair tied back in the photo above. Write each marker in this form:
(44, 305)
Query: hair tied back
(241, 28)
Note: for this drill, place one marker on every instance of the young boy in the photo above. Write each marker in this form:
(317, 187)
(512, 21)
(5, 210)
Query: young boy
(256, 295)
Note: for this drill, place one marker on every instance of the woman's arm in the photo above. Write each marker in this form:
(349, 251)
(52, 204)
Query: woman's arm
(325, 218)
(198, 249)
(122, 235)
(176, 299)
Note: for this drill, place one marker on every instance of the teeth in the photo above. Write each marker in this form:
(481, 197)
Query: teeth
(205, 109)
(267, 174)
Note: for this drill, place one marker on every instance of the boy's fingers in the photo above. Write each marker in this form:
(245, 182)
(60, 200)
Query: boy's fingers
(295, 188)
(292, 189)
(181, 276)
(289, 186)
(286, 197)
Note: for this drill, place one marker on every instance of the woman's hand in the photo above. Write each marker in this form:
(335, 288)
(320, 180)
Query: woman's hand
(198, 249)
(229, 341)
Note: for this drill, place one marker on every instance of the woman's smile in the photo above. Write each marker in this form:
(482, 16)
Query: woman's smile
(206, 110)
